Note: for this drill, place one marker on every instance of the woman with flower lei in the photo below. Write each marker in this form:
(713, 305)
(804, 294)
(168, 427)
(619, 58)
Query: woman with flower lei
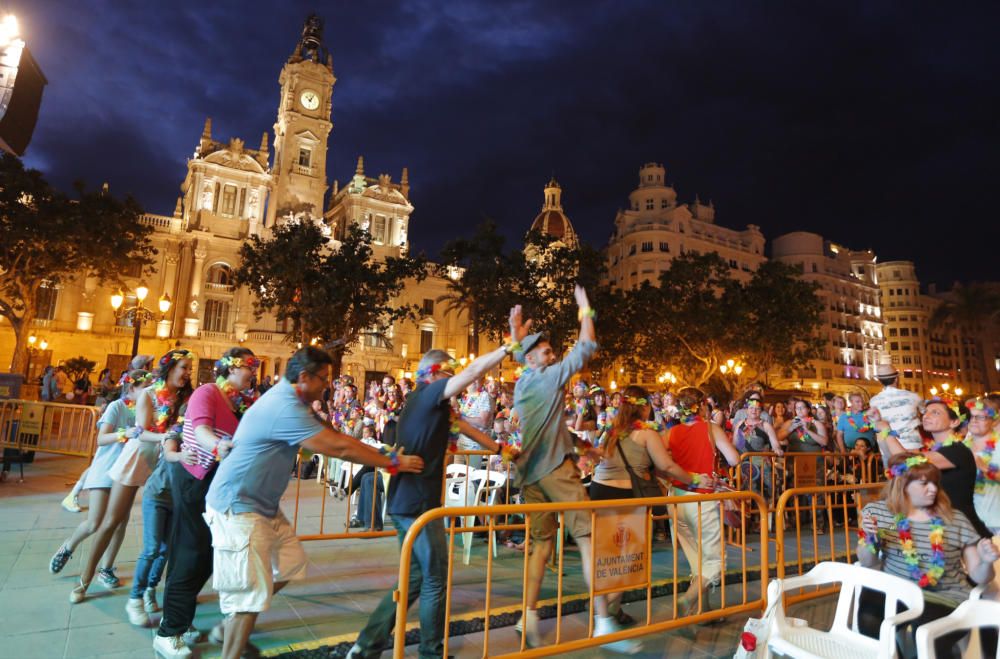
(913, 532)
(803, 433)
(754, 434)
(118, 416)
(210, 421)
(637, 440)
(156, 411)
(940, 420)
(982, 439)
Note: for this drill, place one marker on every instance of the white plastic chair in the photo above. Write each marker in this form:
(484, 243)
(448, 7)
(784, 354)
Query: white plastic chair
(974, 614)
(491, 483)
(458, 491)
(841, 640)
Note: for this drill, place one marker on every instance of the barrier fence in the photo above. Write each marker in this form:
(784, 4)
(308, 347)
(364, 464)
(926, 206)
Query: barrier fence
(622, 537)
(48, 428)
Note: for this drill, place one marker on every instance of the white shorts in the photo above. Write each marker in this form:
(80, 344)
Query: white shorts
(252, 552)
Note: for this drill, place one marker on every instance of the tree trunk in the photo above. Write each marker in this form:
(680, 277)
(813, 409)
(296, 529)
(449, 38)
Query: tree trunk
(19, 362)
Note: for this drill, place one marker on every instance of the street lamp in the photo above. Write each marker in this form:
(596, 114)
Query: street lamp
(32, 351)
(945, 386)
(934, 391)
(958, 391)
(138, 314)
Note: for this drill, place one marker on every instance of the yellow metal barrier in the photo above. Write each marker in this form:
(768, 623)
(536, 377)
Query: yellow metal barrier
(49, 427)
(744, 603)
(336, 478)
(832, 513)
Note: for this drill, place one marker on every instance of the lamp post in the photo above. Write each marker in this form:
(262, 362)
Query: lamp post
(32, 351)
(734, 368)
(138, 314)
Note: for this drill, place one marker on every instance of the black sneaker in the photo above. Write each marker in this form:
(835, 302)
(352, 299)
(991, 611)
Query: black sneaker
(59, 560)
(107, 577)
(624, 619)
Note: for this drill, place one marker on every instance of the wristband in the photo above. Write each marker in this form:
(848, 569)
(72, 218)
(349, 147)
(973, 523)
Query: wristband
(122, 435)
(586, 311)
(868, 541)
(885, 434)
(695, 479)
(215, 451)
(393, 455)
(512, 347)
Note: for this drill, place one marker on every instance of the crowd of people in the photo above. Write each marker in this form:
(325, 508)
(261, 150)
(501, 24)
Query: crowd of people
(214, 461)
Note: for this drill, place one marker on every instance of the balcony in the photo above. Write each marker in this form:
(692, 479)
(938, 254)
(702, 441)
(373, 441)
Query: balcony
(302, 169)
(215, 336)
(219, 288)
(263, 336)
(161, 222)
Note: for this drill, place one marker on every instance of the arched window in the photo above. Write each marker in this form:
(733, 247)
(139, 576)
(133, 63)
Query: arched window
(220, 277)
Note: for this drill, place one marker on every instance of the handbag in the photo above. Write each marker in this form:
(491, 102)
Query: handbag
(643, 488)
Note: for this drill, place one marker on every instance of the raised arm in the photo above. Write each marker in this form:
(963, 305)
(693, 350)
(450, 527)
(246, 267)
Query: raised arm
(477, 369)
(336, 444)
(586, 314)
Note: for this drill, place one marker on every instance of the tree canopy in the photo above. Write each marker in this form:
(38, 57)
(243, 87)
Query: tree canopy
(333, 294)
(48, 238)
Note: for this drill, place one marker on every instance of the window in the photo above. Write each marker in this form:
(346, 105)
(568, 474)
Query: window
(916, 332)
(228, 206)
(631, 249)
(305, 157)
(647, 246)
(814, 268)
(125, 320)
(649, 204)
(428, 307)
(216, 316)
(45, 302)
(904, 331)
(733, 264)
(426, 340)
(134, 270)
(664, 247)
(221, 274)
(378, 228)
(894, 346)
(892, 331)
(907, 359)
(663, 203)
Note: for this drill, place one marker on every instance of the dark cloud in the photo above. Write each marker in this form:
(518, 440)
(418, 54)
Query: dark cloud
(872, 123)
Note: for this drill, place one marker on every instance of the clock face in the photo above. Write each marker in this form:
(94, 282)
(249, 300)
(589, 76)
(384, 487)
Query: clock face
(309, 99)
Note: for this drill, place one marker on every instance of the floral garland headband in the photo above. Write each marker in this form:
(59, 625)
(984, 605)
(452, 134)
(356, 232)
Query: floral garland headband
(127, 379)
(638, 402)
(176, 356)
(903, 467)
(231, 362)
(980, 405)
(424, 374)
(950, 403)
(753, 402)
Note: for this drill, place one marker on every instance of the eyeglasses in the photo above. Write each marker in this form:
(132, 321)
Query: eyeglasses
(325, 381)
(978, 417)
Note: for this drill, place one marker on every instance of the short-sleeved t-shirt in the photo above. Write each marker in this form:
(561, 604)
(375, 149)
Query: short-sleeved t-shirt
(206, 407)
(422, 429)
(953, 588)
(959, 483)
(117, 415)
(856, 425)
(255, 474)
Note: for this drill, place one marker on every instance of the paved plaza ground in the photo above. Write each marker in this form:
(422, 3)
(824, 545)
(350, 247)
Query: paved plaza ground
(346, 579)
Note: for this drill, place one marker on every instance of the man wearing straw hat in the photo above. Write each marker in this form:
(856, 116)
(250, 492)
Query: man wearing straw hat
(898, 407)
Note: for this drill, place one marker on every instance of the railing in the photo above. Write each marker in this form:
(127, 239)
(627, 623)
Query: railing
(157, 221)
(832, 514)
(214, 286)
(263, 336)
(48, 427)
(629, 524)
(215, 336)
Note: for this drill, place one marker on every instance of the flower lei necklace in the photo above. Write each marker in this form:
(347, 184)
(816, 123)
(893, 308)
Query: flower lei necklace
(936, 569)
(951, 439)
(240, 401)
(454, 431)
(163, 401)
(801, 430)
(647, 425)
(989, 473)
(866, 424)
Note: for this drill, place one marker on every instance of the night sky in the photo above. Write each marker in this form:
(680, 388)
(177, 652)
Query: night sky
(873, 123)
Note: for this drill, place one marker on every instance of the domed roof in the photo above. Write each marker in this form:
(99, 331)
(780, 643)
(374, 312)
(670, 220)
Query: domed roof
(553, 223)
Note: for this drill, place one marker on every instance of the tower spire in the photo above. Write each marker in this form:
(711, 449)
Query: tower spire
(404, 182)
(360, 169)
(206, 132)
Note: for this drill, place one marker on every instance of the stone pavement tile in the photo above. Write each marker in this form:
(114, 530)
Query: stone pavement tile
(34, 645)
(102, 607)
(116, 637)
(36, 609)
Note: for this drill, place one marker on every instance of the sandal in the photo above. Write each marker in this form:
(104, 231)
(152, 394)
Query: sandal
(79, 593)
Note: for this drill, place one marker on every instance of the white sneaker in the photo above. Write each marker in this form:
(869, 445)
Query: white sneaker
(71, 503)
(149, 601)
(218, 633)
(605, 626)
(533, 638)
(191, 636)
(169, 647)
(136, 612)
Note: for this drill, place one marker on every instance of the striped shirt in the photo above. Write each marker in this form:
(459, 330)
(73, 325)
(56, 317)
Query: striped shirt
(207, 406)
(953, 588)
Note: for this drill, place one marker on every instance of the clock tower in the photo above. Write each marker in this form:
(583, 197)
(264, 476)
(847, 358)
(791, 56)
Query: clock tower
(302, 128)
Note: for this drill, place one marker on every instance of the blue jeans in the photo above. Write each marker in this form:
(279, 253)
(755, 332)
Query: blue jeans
(428, 575)
(152, 560)
(365, 501)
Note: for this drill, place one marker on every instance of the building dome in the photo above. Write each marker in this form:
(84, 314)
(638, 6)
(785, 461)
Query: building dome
(552, 221)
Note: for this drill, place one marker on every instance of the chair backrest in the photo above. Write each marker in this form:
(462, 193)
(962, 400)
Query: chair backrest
(490, 482)
(854, 577)
(978, 614)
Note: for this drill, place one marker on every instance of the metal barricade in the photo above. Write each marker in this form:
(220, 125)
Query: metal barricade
(619, 523)
(49, 427)
(460, 485)
(832, 514)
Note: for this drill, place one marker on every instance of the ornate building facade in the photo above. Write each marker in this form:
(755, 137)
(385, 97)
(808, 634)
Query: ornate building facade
(655, 229)
(229, 193)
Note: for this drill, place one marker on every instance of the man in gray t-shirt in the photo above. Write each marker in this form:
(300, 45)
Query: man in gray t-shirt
(546, 470)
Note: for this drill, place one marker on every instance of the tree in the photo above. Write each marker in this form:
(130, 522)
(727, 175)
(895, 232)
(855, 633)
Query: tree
(780, 315)
(47, 238)
(970, 309)
(79, 367)
(488, 282)
(333, 294)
